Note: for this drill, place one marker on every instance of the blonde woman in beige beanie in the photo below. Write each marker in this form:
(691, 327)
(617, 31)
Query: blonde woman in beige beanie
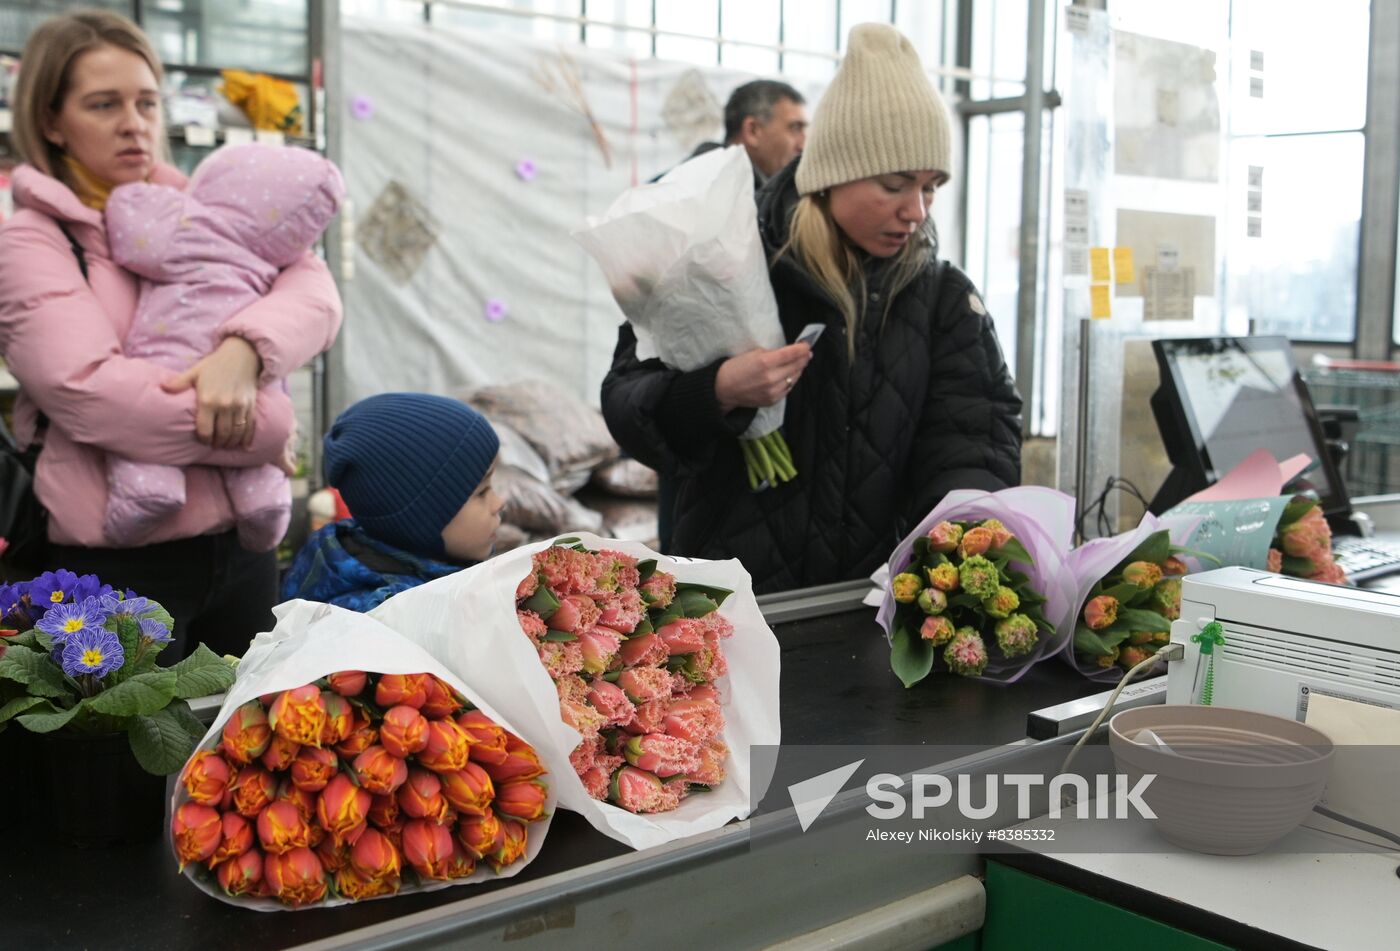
(904, 397)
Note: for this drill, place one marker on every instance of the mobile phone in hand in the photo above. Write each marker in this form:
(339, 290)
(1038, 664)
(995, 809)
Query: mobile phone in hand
(810, 333)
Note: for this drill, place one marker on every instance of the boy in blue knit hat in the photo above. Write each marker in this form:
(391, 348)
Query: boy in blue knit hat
(415, 471)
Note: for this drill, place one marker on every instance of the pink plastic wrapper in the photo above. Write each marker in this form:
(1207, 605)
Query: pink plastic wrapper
(1043, 520)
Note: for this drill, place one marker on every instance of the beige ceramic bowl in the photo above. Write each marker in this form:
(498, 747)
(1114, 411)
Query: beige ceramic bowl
(1234, 782)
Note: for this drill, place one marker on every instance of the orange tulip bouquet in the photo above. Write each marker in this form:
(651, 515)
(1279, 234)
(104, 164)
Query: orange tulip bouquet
(643, 680)
(321, 783)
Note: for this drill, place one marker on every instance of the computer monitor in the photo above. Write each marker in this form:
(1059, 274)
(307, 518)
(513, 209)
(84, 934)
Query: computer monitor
(1221, 398)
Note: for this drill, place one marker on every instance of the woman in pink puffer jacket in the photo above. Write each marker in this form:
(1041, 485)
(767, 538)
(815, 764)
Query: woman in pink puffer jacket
(207, 253)
(87, 119)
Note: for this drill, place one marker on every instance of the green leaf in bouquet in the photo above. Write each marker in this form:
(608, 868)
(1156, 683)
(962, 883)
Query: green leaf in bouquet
(694, 603)
(643, 627)
(161, 742)
(23, 705)
(201, 674)
(715, 594)
(672, 612)
(48, 722)
(1194, 553)
(1015, 551)
(559, 637)
(1155, 548)
(911, 657)
(128, 631)
(1298, 567)
(1296, 509)
(611, 676)
(44, 640)
(1018, 580)
(138, 696)
(1124, 592)
(965, 600)
(565, 542)
(1088, 641)
(645, 569)
(36, 671)
(1138, 619)
(921, 549)
(542, 602)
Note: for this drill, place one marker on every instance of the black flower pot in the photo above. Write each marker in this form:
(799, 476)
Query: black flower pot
(98, 795)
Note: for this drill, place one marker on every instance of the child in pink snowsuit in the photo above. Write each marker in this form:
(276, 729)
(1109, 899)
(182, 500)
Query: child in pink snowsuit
(206, 254)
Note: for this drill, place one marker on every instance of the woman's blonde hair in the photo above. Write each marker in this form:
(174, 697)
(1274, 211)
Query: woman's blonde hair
(824, 251)
(44, 76)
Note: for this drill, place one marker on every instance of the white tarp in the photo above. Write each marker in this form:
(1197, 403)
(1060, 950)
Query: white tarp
(449, 228)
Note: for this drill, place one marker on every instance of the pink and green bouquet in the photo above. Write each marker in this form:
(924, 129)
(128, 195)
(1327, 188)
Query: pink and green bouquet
(1302, 544)
(1129, 593)
(978, 589)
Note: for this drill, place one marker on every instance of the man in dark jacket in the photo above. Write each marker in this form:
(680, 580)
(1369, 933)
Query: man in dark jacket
(880, 427)
(769, 119)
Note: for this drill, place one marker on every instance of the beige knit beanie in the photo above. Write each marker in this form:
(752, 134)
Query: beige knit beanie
(879, 115)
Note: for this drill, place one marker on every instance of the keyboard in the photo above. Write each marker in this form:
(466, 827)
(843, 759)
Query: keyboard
(1363, 558)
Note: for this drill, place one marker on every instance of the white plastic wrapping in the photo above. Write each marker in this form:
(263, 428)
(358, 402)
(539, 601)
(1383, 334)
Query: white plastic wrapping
(312, 640)
(468, 620)
(685, 262)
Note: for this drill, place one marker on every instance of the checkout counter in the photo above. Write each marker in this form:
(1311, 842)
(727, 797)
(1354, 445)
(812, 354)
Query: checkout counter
(738, 886)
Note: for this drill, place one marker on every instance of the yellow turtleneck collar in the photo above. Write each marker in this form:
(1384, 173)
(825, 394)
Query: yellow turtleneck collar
(90, 189)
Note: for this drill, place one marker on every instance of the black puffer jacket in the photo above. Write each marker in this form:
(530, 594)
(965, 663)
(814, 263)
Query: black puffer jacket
(928, 406)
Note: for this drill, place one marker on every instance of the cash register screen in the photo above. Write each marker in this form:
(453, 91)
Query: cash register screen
(1243, 393)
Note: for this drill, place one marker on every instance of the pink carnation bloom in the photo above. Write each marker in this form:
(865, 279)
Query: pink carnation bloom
(650, 718)
(645, 683)
(1307, 536)
(671, 795)
(683, 636)
(622, 612)
(644, 651)
(531, 624)
(571, 687)
(704, 692)
(585, 755)
(637, 790)
(528, 585)
(566, 570)
(609, 700)
(561, 659)
(937, 629)
(976, 541)
(659, 590)
(662, 754)
(582, 717)
(615, 572)
(711, 770)
(1331, 573)
(698, 721)
(595, 780)
(966, 654)
(717, 625)
(599, 647)
(576, 613)
(945, 536)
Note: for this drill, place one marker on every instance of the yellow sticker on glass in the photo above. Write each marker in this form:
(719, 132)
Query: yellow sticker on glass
(1123, 265)
(1100, 303)
(1098, 266)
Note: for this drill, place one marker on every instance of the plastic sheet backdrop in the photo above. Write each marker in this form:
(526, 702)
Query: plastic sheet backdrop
(479, 153)
(470, 619)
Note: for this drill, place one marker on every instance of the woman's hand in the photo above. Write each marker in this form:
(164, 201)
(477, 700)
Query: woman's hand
(226, 393)
(760, 377)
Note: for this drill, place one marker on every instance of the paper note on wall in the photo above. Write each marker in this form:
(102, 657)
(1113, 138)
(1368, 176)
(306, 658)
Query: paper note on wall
(1098, 266)
(1190, 239)
(1100, 302)
(1168, 295)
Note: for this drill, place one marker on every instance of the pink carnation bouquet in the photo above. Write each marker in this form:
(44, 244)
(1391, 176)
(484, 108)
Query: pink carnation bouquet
(978, 589)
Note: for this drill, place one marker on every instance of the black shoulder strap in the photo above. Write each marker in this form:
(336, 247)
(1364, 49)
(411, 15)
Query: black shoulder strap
(78, 251)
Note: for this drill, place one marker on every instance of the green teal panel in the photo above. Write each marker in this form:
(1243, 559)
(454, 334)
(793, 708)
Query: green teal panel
(1024, 911)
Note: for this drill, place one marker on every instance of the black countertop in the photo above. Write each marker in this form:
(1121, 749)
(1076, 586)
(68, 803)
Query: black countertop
(837, 688)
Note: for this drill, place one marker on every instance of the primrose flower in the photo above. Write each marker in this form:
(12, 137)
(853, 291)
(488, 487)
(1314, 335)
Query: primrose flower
(63, 621)
(154, 631)
(92, 652)
(52, 587)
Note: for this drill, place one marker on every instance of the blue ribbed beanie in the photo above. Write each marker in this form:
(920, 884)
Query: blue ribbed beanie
(406, 463)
